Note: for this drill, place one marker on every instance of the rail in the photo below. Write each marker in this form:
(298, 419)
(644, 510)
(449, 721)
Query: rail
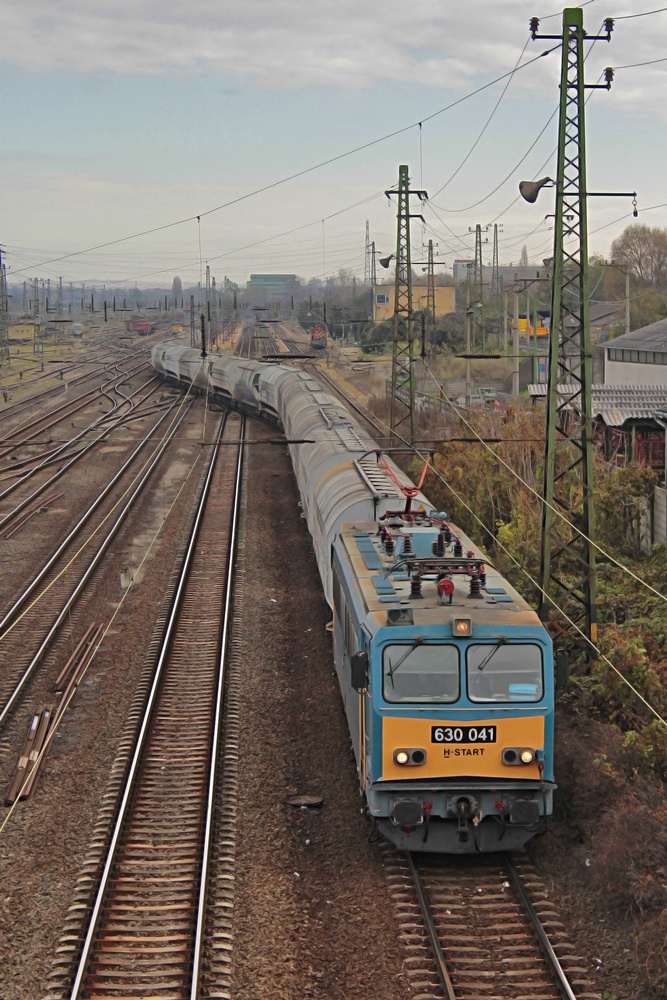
(132, 494)
(188, 677)
(481, 934)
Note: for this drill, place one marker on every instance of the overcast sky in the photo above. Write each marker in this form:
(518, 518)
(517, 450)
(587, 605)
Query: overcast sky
(129, 115)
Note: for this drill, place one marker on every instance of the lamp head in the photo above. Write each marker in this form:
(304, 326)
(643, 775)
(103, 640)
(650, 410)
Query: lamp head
(384, 261)
(529, 190)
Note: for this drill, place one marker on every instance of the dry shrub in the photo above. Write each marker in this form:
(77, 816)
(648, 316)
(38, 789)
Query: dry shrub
(651, 950)
(589, 765)
(629, 868)
(629, 853)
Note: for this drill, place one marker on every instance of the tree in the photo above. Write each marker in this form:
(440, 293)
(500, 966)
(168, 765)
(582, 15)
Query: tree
(523, 262)
(177, 290)
(642, 249)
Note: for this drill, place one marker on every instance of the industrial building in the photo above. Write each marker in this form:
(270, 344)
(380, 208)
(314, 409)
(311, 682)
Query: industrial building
(383, 300)
(272, 286)
(638, 358)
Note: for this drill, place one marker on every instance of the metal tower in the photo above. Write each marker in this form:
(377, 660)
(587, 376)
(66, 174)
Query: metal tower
(4, 312)
(495, 282)
(403, 413)
(367, 267)
(567, 572)
(37, 328)
(373, 275)
(430, 296)
(478, 338)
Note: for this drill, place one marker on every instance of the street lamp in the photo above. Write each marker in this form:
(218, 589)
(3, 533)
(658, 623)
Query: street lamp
(529, 190)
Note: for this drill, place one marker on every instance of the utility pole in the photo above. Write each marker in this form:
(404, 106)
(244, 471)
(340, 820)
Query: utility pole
(497, 288)
(402, 414)
(469, 312)
(367, 268)
(567, 573)
(4, 312)
(37, 347)
(430, 297)
(193, 342)
(214, 314)
(479, 338)
(516, 392)
(495, 282)
(60, 306)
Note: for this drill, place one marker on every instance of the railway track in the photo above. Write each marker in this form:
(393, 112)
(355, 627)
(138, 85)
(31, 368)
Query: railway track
(104, 424)
(152, 915)
(482, 929)
(25, 433)
(99, 357)
(31, 625)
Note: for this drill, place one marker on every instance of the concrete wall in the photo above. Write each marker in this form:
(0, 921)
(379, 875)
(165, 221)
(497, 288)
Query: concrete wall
(629, 373)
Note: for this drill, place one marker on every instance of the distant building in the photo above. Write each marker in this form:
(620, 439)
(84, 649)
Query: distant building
(383, 300)
(638, 358)
(22, 331)
(272, 286)
(508, 273)
(460, 269)
(603, 316)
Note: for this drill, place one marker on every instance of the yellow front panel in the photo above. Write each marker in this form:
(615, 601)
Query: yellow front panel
(450, 760)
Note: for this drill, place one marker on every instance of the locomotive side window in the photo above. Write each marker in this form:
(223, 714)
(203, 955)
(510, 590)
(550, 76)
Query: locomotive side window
(420, 671)
(504, 671)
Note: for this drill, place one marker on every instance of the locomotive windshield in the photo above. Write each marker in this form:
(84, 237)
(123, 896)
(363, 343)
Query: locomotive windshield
(421, 672)
(504, 671)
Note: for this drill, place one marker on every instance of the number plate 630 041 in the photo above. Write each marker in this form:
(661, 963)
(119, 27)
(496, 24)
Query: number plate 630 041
(463, 734)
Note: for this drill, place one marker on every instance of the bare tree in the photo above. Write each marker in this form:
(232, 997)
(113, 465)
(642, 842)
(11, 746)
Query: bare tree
(642, 249)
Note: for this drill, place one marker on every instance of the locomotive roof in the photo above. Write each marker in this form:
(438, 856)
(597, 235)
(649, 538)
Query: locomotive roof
(384, 582)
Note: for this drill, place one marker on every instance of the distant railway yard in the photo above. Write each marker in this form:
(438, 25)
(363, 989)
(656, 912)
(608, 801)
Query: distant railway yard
(182, 816)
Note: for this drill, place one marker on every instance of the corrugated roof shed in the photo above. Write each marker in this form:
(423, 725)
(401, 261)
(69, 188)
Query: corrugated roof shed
(617, 403)
(649, 338)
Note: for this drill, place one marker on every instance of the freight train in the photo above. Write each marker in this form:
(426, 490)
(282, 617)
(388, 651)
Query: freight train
(446, 673)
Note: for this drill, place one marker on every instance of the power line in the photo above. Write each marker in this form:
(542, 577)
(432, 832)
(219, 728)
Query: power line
(496, 541)
(485, 126)
(509, 175)
(633, 65)
(646, 13)
(298, 173)
(535, 584)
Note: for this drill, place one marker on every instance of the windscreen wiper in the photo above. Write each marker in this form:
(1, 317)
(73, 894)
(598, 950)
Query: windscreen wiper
(502, 641)
(410, 649)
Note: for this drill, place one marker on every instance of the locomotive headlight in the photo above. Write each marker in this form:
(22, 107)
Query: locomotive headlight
(409, 756)
(518, 755)
(461, 625)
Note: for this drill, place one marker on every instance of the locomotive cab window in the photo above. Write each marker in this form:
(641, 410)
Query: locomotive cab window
(504, 671)
(420, 671)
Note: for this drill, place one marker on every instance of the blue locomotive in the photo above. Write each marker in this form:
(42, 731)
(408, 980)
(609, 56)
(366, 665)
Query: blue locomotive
(446, 673)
